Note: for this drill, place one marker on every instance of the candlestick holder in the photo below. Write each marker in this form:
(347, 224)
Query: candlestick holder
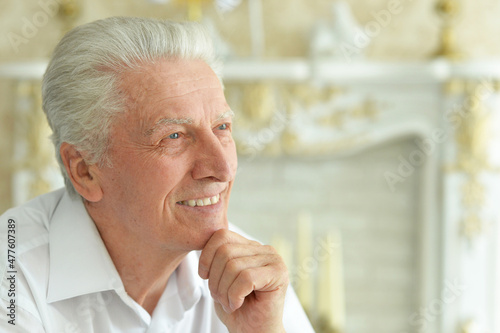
(448, 11)
(69, 11)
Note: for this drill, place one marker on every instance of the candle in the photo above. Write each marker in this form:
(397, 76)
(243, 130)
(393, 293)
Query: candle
(306, 263)
(331, 301)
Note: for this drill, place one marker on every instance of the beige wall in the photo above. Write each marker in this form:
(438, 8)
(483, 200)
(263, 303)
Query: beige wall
(411, 34)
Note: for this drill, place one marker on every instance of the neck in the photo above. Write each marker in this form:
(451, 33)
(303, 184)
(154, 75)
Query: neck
(143, 268)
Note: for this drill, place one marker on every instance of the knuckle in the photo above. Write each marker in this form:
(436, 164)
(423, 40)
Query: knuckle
(224, 250)
(222, 234)
(246, 276)
(233, 266)
(218, 237)
(270, 249)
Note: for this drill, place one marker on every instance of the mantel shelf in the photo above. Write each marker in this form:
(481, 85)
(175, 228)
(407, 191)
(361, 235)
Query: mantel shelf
(341, 72)
(321, 71)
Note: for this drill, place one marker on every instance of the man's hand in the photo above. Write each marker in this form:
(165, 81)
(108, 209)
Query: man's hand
(247, 280)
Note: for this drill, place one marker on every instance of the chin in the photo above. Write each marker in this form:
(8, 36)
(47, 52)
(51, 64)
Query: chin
(197, 225)
(206, 234)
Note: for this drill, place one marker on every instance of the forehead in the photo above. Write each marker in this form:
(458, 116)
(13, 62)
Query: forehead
(169, 85)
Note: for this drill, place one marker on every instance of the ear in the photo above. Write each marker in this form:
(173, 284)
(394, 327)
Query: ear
(82, 175)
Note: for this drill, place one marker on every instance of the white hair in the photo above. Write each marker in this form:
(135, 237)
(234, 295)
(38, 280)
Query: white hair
(79, 89)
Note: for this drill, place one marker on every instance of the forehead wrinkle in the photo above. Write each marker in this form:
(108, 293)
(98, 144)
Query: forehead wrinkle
(177, 94)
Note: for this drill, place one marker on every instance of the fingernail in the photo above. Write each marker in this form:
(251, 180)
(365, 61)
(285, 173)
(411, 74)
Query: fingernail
(226, 309)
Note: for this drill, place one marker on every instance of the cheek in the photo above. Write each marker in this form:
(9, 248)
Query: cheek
(157, 177)
(144, 174)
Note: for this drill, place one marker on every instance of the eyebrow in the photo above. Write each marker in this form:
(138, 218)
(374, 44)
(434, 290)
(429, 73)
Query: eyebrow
(224, 115)
(179, 121)
(167, 121)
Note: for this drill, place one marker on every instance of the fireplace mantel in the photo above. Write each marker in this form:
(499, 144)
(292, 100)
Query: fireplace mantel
(449, 106)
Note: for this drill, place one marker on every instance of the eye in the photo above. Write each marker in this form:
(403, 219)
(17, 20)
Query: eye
(173, 136)
(222, 127)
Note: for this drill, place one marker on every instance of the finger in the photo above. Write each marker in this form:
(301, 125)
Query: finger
(262, 280)
(234, 268)
(227, 252)
(220, 237)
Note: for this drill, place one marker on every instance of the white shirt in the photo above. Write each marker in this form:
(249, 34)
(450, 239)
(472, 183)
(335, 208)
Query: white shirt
(61, 279)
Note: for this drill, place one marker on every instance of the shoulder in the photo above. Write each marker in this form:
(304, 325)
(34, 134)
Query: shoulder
(25, 232)
(31, 219)
(27, 226)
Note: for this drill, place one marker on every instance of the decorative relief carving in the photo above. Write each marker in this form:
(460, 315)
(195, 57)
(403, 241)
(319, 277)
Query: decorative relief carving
(473, 137)
(294, 119)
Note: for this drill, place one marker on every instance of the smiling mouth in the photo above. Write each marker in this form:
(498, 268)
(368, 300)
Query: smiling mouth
(201, 202)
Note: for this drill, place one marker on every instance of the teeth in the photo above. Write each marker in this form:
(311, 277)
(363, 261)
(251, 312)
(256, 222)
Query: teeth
(214, 199)
(201, 202)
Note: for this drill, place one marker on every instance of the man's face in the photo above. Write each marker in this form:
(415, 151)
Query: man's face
(172, 149)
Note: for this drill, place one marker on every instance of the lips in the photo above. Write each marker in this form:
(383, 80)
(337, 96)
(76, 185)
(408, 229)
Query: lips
(201, 202)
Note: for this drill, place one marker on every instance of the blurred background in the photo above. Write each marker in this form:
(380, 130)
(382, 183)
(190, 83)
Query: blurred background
(367, 141)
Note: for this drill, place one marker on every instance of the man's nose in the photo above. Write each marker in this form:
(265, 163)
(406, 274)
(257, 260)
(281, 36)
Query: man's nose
(214, 159)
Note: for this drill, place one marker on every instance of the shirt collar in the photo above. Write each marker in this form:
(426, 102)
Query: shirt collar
(79, 261)
(184, 290)
(190, 284)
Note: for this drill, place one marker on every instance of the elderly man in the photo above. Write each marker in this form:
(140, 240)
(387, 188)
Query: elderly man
(139, 241)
